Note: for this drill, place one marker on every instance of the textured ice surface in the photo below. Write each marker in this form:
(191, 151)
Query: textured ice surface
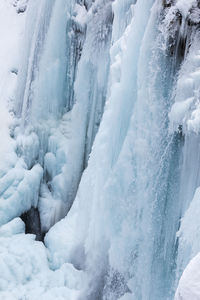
(185, 111)
(100, 224)
(18, 185)
(99, 123)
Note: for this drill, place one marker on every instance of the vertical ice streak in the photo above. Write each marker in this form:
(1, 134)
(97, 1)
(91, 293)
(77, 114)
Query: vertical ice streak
(59, 107)
(37, 27)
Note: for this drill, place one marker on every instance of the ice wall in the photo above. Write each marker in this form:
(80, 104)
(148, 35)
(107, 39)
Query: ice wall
(132, 181)
(101, 128)
(184, 117)
(18, 186)
(138, 170)
(48, 129)
(185, 111)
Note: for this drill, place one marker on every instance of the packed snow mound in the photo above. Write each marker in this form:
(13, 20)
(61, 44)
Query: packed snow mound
(25, 271)
(189, 239)
(189, 232)
(189, 284)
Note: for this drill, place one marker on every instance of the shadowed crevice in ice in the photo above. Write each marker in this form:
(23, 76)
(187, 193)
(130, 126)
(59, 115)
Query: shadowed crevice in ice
(31, 218)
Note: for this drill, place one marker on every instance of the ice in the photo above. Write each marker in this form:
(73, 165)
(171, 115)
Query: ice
(180, 110)
(16, 226)
(18, 185)
(58, 124)
(184, 118)
(133, 182)
(102, 221)
(99, 131)
(20, 195)
(28, 147)
(185, 111)
(74, 241)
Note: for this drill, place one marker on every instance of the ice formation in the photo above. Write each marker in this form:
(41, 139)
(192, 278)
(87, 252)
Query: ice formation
(99, 154)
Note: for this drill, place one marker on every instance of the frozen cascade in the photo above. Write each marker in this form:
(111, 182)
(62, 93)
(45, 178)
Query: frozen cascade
(119, 190)
(47, 124)
(185, 111)
(101, 130)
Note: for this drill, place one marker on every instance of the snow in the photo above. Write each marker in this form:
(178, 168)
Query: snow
(186, 111)
(189, 284)
(80, 13)
(25, 271)
(190, 226)
(181, 109)
(10, 32)
(189, 245)
(184, 6)
(16, 226)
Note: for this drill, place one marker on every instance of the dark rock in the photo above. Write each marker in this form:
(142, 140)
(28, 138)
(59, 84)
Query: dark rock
(167, 3)
(31, 218)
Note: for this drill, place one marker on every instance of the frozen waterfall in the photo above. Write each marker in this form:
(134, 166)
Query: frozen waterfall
(100, 149)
